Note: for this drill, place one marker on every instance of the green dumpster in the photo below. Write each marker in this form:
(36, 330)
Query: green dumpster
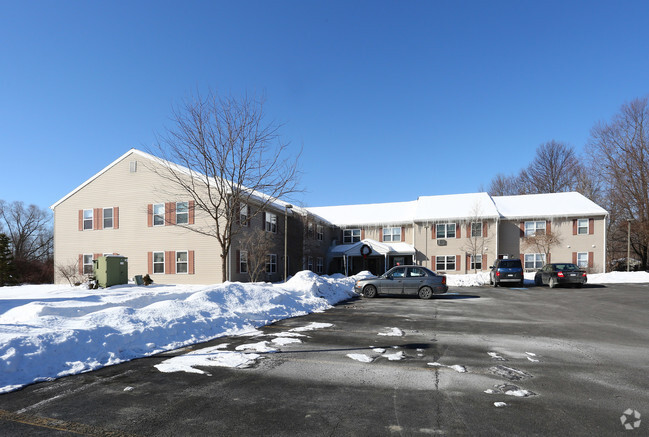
(111, 270)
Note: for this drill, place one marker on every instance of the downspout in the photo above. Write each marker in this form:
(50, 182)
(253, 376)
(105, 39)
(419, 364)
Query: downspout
(604, 246)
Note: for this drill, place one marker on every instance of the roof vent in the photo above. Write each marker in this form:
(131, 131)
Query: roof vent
(133, 166)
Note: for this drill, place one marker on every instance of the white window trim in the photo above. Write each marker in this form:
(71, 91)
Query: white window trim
(446, 262)
(271, 264)
(162, 215)
(473, 262)
(176, 262)
(536, 260)
(585, 254)
(244, 212)
(153, 262)
(579, 227)
(112, 218)
(532, 232)
(389, 234)
(320, 232)
(271, 222)
(91, 219)
(349, 239)
(319, 265)
(446, 229)
(243, 255)
(186, 213)
(87, 264)
(479, 228)
(309, 263)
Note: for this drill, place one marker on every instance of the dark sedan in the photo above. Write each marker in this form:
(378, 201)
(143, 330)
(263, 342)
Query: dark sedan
(410, 280)
(560, 274)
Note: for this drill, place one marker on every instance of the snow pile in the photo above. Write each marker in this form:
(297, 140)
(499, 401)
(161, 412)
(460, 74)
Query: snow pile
(469, 280)
(49, 331)
(618, 278)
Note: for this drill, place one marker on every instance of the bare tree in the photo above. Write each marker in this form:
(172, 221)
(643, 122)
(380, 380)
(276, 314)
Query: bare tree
(620, 150)
(554, 169)
(477, 235)
(503, 185)
(542, 242)
(257, 244)
(229, 156)
(70, 272)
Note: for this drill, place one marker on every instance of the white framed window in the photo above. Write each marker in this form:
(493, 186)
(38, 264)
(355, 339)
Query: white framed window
(351, 236)
(87, 219)
(445, 262)
(271, 264)
(445, 230)
(391, 234)
(159, 214)
(310, 232)
(476, 262)
(533, 228)
(582, 227)
(271, 222)
(534, 260)
(182, 213)
(319, 265)
(309, 263)
(476, 229)
(182, 261)
(320, 232)
(243, 261)
(582, 260)
(243, 214)
(108, 218)
(158, 262)
(87, 264)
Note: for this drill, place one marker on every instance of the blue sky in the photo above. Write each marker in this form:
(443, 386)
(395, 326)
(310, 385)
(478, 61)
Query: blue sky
(389, 100)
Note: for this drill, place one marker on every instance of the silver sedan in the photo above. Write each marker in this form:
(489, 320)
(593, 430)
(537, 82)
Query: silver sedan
(410, 280)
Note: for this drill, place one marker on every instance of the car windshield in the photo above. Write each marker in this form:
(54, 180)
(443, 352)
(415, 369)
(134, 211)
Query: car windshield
(512, 264)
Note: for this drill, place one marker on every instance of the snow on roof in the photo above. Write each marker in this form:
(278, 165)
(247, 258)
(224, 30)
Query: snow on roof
(382, 248)
(369, 214)
(570, 204)
(455, 206)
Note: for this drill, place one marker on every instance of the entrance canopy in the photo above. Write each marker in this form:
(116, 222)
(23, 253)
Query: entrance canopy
(377, 249)
(371, 255)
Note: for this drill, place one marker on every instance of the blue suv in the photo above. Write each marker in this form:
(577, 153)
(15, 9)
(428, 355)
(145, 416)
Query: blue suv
(506, 271)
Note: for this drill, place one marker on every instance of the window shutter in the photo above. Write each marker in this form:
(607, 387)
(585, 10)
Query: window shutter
(522, 256)
(591, 256)
(380, 235)
(574, 257)
(81, 219)
(458, 259)
(484, 262)
(485, 227)
(362, 234)
(549, 260)
(170, 262)
(116, 217)
(522, 226)
(238, 259)
(96, 255)
(548, 227)
(591, 226)
(433, 228)
(191, 212)
(149, 213)
(403, 233)
(190, 261)
(81, 263)
(458, 231)
(98, 217)
(150, 262)
(468, 230)
(468, 262)
(170, 213)
(574, 227)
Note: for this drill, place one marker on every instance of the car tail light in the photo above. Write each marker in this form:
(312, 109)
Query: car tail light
(560, 274)
(443, 280)
(497, 273)
(584, 274)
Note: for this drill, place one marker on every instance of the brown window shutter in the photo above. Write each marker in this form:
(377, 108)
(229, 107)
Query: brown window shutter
(485, 227)
(591, 226)
(458, 260)
(238, 260)
(522, 256)
(190, 261)
(434, 231)
(170, 262)
(81, 264)
(403, 233)
(591, 256)
(468, 230)
(191, 212)
(96, 255)
(81, 219)
(548, 227)
(362, 234)
(574, 257)
(170, 213)
(458, 231)
(484, 262)
(150, 262)
(116, 217)
(468, 262)
(98, 218)
(380, 235)
(549, 260)
(149, 213)
(522, 226)
(574, 227)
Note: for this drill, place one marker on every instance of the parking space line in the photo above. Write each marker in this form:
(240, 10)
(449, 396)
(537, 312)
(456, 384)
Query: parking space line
(60, 425)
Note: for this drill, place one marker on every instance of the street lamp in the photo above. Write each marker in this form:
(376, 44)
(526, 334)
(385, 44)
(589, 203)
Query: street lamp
(286, 208)
(628, 245)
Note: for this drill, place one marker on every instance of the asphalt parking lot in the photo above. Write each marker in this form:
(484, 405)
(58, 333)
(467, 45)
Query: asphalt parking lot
(480, 361)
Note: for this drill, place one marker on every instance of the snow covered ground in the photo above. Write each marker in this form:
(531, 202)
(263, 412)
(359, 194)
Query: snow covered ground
(49, 331)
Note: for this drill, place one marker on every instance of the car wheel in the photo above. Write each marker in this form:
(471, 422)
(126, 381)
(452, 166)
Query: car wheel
(425, 293)
(553, 283)
(538, 280)
(369, 291)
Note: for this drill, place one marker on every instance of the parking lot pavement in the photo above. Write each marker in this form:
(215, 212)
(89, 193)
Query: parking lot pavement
(480, 361)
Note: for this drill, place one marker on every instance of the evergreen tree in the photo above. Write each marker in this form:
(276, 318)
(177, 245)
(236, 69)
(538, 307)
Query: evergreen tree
(7, 266)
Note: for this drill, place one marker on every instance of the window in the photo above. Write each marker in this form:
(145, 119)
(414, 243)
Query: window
(87, 219)
(476, 262)
(243, 261)
(446, 230)
(271, 222)
(445, 262)
(391, 234)
(159, 214)
(476, 229)
(87, 265)
(534, 260)
(399, 273)
(271, 264)
(416, 272)
(182, 213)
(243, 215)
(319, 265)
(310, 232)
(582, 260)
(533, 228)
(320, 232)
(582, 226)
(351, 235)
(158, 262)
(133, 166)
(108, 218)
(309, 265)
(181, 262)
